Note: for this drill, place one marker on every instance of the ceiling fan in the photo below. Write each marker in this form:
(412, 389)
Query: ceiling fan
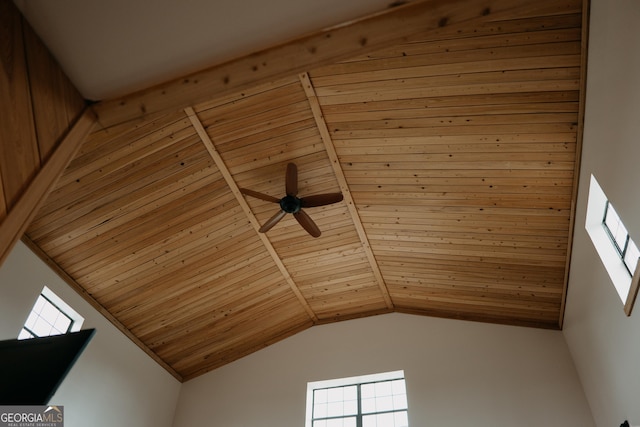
(293, 204)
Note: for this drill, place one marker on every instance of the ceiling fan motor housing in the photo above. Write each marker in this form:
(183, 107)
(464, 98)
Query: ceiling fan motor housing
(290, 204)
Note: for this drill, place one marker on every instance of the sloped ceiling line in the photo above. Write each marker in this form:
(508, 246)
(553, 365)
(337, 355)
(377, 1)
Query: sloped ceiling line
(325, 47)
(584, 50)
(208, 143)
(342, 180)
(97, 306)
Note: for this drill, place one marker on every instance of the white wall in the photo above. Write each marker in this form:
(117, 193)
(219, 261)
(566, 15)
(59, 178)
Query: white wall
(458, 374)
(605, 344)
(114, 383)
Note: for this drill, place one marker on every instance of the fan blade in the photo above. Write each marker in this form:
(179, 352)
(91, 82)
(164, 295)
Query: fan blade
(321, 200)
(291, 181)
(258, 195)
(307, 223)
(272, 221)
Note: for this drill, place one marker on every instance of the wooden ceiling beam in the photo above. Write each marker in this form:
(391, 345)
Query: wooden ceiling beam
(584, 53)
(344, 186)
(21, 214)
(324, 47)
(213, 152)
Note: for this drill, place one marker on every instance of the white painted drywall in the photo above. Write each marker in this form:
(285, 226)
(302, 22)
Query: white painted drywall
(114, 383)
(458, 374)
(604, 343)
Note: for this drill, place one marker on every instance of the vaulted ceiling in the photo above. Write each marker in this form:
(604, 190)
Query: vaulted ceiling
(452, 129)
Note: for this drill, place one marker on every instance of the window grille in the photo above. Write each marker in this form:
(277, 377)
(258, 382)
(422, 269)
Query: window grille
(381, 403)
(50, 315)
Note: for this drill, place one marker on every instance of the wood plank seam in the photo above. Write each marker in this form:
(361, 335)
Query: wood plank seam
(213, 152)
(344, 187)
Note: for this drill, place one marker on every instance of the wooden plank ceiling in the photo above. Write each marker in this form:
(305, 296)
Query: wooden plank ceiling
(456, 152)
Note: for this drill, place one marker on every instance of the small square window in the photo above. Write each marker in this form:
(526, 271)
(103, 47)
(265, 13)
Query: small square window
(50, 315)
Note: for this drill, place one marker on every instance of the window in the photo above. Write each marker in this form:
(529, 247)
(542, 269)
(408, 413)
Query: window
(626, 248)
(50, 315)
(614, 245)
(378, 400)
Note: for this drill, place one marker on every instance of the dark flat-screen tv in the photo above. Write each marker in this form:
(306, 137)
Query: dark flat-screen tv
(31, 370)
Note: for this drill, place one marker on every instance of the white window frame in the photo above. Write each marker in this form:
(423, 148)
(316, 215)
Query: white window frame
(620, 238)
(340, 382)
(625, 278)
(63, 307)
